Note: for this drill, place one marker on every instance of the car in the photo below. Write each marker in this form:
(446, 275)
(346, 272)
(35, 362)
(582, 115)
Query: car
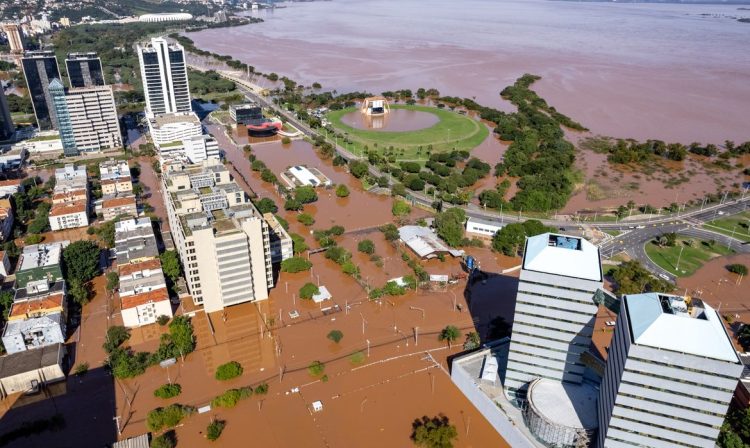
(664, 276)
(640, 227)
(721, 212)
(610, 323)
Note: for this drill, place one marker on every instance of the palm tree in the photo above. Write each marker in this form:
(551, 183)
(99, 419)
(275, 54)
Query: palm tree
(450, 333)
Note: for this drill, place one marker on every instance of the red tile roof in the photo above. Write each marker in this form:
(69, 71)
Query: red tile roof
(68, 209)
(118, 202)
(128, 269)
(158, 295)
(32, 306)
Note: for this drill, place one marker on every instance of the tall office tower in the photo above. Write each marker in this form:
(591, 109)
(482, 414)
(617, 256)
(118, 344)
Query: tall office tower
(15, 38)
(671, 373)
(555, 311)
(60, 110)
(40, 68)
(84, 70)
(6, 121)
(87, 118)
(164, 75)
(223, 241)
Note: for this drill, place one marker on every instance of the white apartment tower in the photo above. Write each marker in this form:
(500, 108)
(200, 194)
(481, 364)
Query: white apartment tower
(671, 373)
(555, 310)
(93, 118)
(164, 75)
(223, 241)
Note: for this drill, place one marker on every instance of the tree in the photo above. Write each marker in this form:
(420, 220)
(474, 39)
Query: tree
(335, 335)
(227, 371)
(79, 291)
(450, 333)
(115, 337)
(509, 239)
(308, 290)
(167, 417)
(349, 268)
(230, 398)
(266, 205)
(181, 337)
(170, 264)
(729, 438)
(316, 368)
(306, 219)
(166, 440)
(298, 243)
(400, 208)
(435, 432)
(292, 205)
(737, 268)
(358, 168)
(216, 427)
(342, 191)
(168, 391)
(472, 341)
(631, 277)
(33, 238)
(286, 140)
(390, 232)
(81, 260)
(113, 281)
(295, 264)
(6, 301)
(305, 195)
(450, 225)
(366, 246)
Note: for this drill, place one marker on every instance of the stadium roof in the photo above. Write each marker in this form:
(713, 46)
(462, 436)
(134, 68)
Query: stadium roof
(563, 255)
(667, 322)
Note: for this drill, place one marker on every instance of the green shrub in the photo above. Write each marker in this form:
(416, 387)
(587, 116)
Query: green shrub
(316, 368)
(286, 140)
(162, 320)
(295, 264)
(34, 238)
(299, 243)
(216, 427)
(81, 369)
(230, 398)
(116, 336)
(306, 219)
(168, 391)
(400, 208)
(166, 440)
(366, 246)
(227, 371)
(335, 335)
(357, 358)
(737, 268)
(349, 268)
(261, 389)
(167, 417)
(308, 290)
(342, 191)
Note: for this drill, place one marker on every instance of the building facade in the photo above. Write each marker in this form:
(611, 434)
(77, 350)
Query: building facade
(172, 129)
(115, 177)
(223, 241)
(193, 149)
(63, 119)
(15, 38)
(37, 317)
(84, 70)
(164, 75)
(670, 375)
(6, 121)
(554, 317)
(39, 69)
(282, 246)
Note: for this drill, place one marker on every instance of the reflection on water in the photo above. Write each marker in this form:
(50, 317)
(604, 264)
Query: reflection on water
(397, 120)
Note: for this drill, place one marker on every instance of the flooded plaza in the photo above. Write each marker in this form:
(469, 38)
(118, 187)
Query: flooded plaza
(397, 120)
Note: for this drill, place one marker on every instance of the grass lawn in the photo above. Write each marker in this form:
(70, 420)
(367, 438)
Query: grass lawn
(692, 257)
(739, 223)
(612, 232)
(453, 131)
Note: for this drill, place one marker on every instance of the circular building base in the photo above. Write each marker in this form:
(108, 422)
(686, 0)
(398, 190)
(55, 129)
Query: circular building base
(560, 414)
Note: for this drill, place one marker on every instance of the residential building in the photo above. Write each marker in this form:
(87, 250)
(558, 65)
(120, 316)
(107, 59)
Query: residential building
(9, 187)
(15, 37)
(7, 129)
(21, 372)
(482, 227)
(193, 149)
(70, 177)
(143, 290)
(282, 246)
(113, 207)
(6, 218)
(115, 178)
(670, 375)
(164, 75)
(84, 70)
(12, 158)
(37, 317)
(40, 262)
(555, 311)
(69, 196)
(135, 241)
(166, 129)
(223, 241)
(87, 118)
(69, 216)
(40, 69)
(4, 264)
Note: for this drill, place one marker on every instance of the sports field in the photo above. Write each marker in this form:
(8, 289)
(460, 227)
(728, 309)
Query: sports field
(453, 131)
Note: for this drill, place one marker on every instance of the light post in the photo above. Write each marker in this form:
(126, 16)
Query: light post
(368, 348)
(679, 257)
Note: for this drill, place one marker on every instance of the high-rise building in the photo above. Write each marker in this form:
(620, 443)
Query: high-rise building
(84, 70)
(555, 311)
(87, 118)
(40, 68)
(222, 239)
(671, 373)
(164, 75)
(15, 38)
(6, 121)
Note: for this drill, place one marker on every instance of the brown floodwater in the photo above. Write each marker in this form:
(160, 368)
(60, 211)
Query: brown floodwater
(397, 120)
(669, 71)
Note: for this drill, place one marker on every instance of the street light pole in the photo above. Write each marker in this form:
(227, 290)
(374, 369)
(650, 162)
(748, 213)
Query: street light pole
(679, 257)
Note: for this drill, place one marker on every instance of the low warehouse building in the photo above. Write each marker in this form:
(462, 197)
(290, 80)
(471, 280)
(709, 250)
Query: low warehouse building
(20, 372)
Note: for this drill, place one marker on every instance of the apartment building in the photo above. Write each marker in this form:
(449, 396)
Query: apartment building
(670, 375)
(121, 206)
(192, 149)
(70, 207)
(164, 75)
(135, 241)
(168, 129)
(282, 246)
(222, 239)
(7, 129)
(555, 311)
(115, 178)
(37, 317)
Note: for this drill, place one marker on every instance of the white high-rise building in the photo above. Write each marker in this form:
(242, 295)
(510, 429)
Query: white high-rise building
(671, 373)
(168, 129)
(555, 310)
(164, 75)
(222, 239)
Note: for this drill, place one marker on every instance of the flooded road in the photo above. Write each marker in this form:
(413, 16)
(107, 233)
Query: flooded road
(666, 71)
(397, 120)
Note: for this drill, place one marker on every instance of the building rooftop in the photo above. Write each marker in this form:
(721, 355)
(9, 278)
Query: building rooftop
(300, 175)
(178, 117)
(424, 242)
(29, 360)
(33, 324)
(146, 265)
(27, 308)
(678, 324)
(569, 405)
(40, 255)
(562, 255)
(118, 202)
(134, 240)
(68, 208)
(133, 301)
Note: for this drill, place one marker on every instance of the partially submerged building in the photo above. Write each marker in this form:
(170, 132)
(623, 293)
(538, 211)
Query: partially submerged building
(425, 243)
(302, 176)
(22, 372)
(70, 198)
